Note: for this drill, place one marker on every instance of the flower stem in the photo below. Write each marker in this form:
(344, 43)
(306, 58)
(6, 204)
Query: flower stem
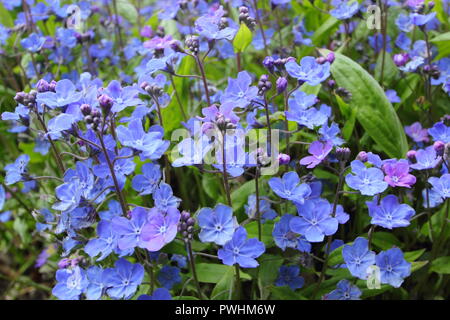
(194, 271)
(205, 83)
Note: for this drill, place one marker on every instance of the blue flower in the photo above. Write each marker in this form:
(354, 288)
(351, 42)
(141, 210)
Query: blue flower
(266, 212)
(122, 166)
(404, 22)
(441, 185)
(358, 258)
(345, 10)
(217, 225)
(66, 37)
(421, 19)
(129, 230)
(33, 43)
(392, 96)
(369, 181)
(289, 276)
(239, 91)
(151, 144)
(393, 267)
(160, 229)
(164, 198)
(330, 133)
(440, 132)
(69, 196)
(83, 175)
(147, 182)
(65, 94)
(389, 213)
(94, 290)
(241, 251)
(308, 71)
(169, 276)
(180, 260)
(71, 283)
(426, 159)
(123, 280)
(158, 294)
(16, 170)
(309, 118)
(122, 97)
(301, 100)
(344, 291)
(285, 238)
(105, 243)
(289, 187)
(315, 220)
(413, 64)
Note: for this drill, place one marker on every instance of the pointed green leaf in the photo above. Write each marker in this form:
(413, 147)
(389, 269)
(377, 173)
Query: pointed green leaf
(242, 39)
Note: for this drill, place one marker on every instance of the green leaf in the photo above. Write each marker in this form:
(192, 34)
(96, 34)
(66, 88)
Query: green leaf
(414, 255)
(267, 275)
(240, 196)
(5, 17)
(385, 240)
(442, 41)
(242, 39)
(390, 70)
(374, 111)
(441, 265)
(127, 10)
(213, 273)
(266, 232)
(285, 293)
(224, 286)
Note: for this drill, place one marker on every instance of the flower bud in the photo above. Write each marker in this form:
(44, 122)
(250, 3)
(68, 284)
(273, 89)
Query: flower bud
(146, 32)
(283, 159)
(268, 63)
(321, 60)
(85, 109)
(439, 147)
(42, 86)
(331, 57)
(331, 83)
(282, 84)
(343, 154)
(52, 86)
(106, 102)
(400, 59)
(411, 155)
(64, 263)
(362, 156)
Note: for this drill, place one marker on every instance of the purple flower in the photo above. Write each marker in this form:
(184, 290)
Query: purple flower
(285, 238)
(239, 91)
(393, 267)
(213, 115)
(441, 185)
(392, 96)
(369, 181)
(151, 144)
(426, 159)
(217, 225)
(389, 213)
(397, 174)
(122, 281)
(289, 276)
(160, 228)
(129, 230)
(315, 220)
(319, 151)
(358, 258)
(440, 132)
(147, 182)
(344, 291)
(416, 132)
(240, 250)
(289, 187)
(65, 94)
(309, 70)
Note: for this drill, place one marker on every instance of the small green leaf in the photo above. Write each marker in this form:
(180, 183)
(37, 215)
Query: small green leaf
(242, 39)
(213, 273)
(441, 265)
(240, 196)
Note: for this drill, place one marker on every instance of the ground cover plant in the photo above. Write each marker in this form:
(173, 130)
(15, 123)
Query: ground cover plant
(192, 149)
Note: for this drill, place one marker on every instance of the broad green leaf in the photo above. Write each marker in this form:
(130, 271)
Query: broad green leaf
(213, 272)
(442, 41)
(5, 17)
(414, 255)
(268, 272)
(390, 70)
(242, 39)
(385, 240)
(224, 289)
(240, 196)
(374, 111)
(127, 10)
(284, 293)
(441, 265)
(266, 232)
